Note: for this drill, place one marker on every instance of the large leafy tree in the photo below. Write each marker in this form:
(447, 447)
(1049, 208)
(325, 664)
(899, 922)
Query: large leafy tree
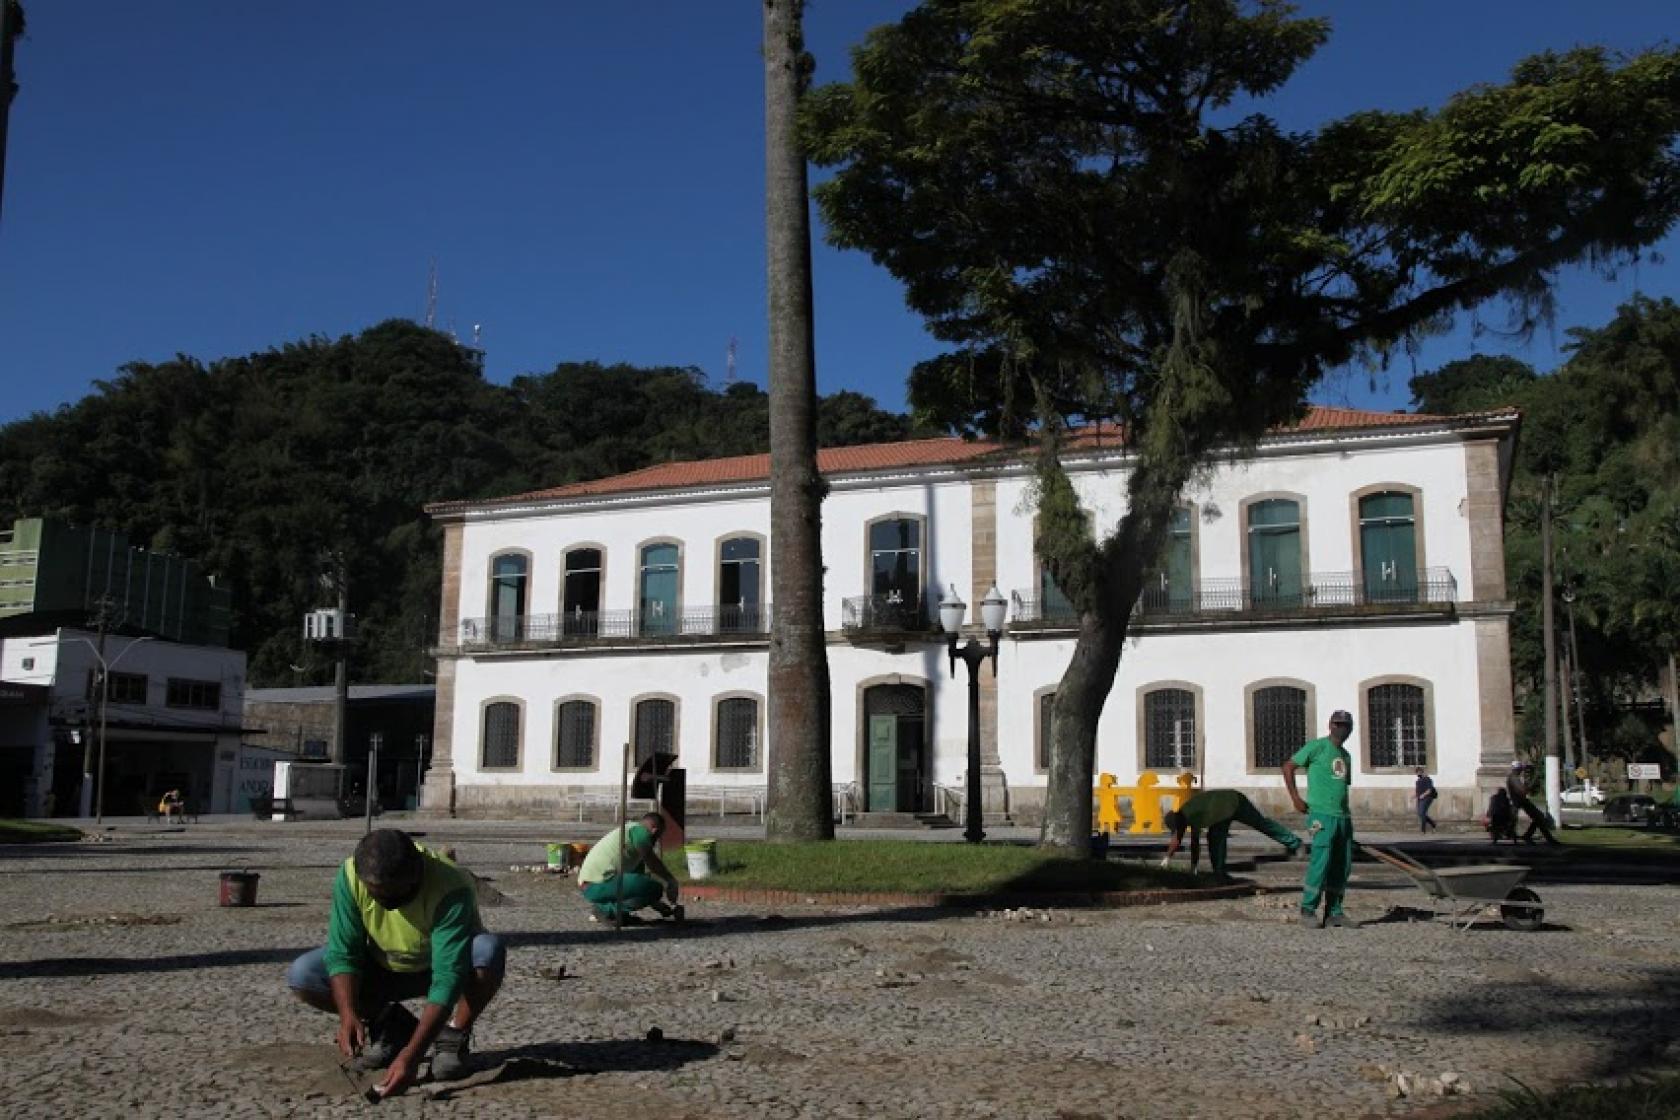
(800, 800)
(1083, 198)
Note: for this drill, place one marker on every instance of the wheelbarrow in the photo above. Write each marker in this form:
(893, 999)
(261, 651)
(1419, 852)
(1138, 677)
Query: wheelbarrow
(1462, 893)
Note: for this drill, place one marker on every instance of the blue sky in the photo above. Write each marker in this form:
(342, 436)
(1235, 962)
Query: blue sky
(213, 178)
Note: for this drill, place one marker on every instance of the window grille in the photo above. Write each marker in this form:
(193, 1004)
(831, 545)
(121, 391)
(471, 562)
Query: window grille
(737, 733)
(501, 735)
(1280, 724)
(656, 724)
(1399, 735)
(1169, 729)
(574, 746)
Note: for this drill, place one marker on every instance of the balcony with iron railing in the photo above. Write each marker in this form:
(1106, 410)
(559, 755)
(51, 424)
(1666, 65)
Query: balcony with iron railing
(690, 625)
(1320, 593)
(888, 615)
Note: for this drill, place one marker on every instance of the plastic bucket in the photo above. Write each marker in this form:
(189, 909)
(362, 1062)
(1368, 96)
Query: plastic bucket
(702, 858)
(239, 888)
(558, 856)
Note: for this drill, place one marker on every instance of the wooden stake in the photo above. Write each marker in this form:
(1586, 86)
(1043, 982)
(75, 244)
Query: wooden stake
(623, 826)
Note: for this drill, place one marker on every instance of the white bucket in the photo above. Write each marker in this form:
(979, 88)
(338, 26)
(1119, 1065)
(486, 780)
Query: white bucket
(702, 864)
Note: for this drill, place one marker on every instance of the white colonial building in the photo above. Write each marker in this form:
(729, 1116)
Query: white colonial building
(1353, 561)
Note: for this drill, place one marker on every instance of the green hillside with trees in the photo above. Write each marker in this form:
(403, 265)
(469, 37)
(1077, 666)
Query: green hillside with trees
(260, 466)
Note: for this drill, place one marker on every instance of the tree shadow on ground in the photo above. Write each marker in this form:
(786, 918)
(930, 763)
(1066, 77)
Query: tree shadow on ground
(31, 852)
(549, 1060)
(1618, 1034)
(116, 966)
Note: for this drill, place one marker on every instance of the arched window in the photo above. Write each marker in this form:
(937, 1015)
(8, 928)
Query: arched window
(1274, 552)
(1172, 587)
(895, 571)
(501, 736)
(574, 735)
(657, 611)
(508, 574)
(1388, 547)
(1169, 722)
(736, 739)
(580, 593)
(1396, 726)
(654, 727)
(740, 594)
(1278, 719)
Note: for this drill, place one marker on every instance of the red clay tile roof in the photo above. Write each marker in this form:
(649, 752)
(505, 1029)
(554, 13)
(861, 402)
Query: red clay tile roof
(941, 451)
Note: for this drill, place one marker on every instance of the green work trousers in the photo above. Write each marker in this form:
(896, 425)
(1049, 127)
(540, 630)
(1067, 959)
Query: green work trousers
(1253, 818)
(640, 891)
(1332, 859)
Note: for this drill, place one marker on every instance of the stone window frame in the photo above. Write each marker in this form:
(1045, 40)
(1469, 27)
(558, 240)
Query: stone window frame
(1302, 507)
(925, 548)
(860, 764)
(759, 716)
(636, 590)
(1142, 694)
(1431, 740)
(676, 720)
(763, 569)
(601, 594)
(1250, 748)
(1416, 494)
(490, 582)
(519, 738)
(1041, 748)
(554, 766)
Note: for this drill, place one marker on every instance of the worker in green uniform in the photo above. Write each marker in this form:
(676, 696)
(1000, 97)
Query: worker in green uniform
(404, 925)
(1329, 770)
(1212, 811)
(628, 854)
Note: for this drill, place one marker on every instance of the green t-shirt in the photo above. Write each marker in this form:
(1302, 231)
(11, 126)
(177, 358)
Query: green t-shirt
(1329, 773)
(432, 932)
(1211, 807)
(605, 859)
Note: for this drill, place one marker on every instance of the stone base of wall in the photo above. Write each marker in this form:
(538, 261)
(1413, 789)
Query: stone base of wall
(1392, 806)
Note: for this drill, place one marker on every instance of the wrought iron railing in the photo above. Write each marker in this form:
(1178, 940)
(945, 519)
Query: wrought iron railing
(895, 612)
(1434, 587)
(586, 627)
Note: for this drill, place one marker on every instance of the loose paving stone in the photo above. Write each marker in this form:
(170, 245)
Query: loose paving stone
(125, 989)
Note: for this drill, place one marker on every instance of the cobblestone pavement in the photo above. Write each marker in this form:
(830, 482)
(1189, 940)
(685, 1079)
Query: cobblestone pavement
(126, 991)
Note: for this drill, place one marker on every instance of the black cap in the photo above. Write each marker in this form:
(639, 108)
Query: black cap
(1339, 716)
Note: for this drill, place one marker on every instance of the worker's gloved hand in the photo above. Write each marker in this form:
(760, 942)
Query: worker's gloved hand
(352, 1035)
(1166, 861)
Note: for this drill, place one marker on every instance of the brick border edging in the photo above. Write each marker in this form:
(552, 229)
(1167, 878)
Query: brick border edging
(1092, 899)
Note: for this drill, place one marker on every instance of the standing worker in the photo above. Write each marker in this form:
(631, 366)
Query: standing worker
(627, 854)
(1213, 810)
(1329, 773)
(404, 925)
(1516, 788)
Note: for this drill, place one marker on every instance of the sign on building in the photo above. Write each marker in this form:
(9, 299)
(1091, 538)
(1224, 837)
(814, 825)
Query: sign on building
(1644, 772)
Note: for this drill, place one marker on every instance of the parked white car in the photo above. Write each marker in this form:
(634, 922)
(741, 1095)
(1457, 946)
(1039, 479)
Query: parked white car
(1587, 795)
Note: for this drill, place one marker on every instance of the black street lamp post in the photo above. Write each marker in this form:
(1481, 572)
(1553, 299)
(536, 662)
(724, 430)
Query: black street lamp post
(951, 613)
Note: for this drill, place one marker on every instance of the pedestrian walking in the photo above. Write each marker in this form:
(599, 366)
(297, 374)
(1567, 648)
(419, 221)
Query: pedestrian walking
(1329, 770)
(1424, 794)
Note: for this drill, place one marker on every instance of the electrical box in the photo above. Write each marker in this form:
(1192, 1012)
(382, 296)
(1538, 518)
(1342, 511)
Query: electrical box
(329, 625)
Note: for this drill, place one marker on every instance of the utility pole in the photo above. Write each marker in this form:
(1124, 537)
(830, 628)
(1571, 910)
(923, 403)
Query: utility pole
(101, 621)
(341, 671)
(1581, 752)
(1554, 791)
(11, 29)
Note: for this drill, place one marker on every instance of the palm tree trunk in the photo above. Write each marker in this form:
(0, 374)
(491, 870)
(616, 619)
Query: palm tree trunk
(800, 801)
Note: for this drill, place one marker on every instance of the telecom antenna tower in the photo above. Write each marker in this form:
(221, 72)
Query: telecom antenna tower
(729, 361)
(431, 295)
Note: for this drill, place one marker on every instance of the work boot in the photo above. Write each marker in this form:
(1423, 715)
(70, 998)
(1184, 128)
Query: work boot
(1309, 919)
(1340, 921)
(451, 1058)
(386, 1035)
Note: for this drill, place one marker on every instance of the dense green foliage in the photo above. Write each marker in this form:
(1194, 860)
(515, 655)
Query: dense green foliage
(259, 466)
(1067, 194)
(1606, 425)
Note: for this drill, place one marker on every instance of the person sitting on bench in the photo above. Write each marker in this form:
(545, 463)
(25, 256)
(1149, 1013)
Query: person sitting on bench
(645, 880)
(172, 806)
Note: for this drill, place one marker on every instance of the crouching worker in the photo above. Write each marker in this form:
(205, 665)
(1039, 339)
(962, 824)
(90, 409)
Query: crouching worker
(1213, 811)
(404, 926)
(611, 879)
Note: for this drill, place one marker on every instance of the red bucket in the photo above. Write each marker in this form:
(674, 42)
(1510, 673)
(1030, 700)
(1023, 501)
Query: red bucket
(239, 888)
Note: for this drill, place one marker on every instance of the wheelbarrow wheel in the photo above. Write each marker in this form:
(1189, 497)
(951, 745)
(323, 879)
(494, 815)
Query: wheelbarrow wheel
(1521, 910)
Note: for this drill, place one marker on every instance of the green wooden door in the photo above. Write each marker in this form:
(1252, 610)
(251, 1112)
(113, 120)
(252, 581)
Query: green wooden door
(883, 764)
(1274, 553)
(1178, 573)
(1388, 548)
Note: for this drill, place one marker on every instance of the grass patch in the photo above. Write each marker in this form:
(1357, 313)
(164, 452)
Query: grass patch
(927, 867)
(1636, 839)
(35, 832)
(1659, 1100)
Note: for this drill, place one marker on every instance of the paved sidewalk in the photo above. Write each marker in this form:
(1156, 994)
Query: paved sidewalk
(126, 991)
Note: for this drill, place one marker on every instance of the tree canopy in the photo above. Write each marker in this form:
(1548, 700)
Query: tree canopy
(1082, 197)
(259, 466)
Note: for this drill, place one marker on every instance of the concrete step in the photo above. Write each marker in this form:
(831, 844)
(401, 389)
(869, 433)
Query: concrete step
(901, 820)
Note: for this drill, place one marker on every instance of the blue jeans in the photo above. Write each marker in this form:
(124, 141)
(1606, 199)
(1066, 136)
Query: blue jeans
(380, 986)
